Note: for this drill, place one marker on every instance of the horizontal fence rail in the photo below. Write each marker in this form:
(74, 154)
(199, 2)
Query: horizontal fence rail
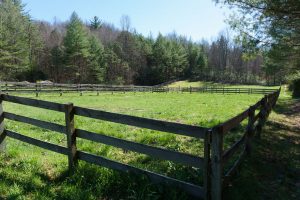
(242, 147)
(20, 87)
(165, 154)
(141, 148)
(171, 127)
(212, 164)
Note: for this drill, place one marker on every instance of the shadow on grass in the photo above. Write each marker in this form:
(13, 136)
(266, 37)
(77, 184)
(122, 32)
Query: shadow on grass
(272, 172)
(87, 182)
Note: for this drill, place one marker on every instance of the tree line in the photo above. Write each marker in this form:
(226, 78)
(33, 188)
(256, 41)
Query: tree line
(273, 27)
(97, 52)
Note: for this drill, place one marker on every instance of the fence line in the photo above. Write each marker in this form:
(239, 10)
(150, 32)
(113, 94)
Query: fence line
(212, 164)
(37, 88)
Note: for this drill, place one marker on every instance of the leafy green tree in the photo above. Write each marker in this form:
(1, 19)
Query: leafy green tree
(269, 24)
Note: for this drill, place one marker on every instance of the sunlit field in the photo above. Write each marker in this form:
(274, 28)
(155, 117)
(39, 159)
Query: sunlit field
(212, 84)
(32, 172)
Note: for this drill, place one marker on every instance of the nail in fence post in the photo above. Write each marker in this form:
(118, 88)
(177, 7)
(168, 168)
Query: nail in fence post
(216, 163)
(250, 129)
(71, 136)
(2, 133)
(207, 168)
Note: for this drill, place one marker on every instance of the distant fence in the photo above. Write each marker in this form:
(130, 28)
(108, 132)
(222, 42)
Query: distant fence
(211, 164)
(37, 88)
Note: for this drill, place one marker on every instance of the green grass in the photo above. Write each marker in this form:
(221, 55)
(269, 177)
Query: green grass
(273, 169)
(28, 172)
(211, 84)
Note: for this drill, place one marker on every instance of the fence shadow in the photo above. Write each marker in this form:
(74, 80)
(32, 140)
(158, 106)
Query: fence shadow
(87, 182)
(271, 172)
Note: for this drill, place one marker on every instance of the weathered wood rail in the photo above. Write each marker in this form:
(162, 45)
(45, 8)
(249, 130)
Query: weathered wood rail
(37, 88)
(212, 164)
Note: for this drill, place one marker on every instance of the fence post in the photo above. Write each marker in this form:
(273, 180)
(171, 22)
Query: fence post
(80, 89)
(71, 136)
(268, 106)
(216, 163)
(36, 90)
(190, 89)
(262, 117)
(6, 88)
(250, 130)
(207, 168)
(2, 133)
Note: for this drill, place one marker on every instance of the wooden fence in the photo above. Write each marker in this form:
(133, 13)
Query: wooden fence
(211, 164)
(37, 88)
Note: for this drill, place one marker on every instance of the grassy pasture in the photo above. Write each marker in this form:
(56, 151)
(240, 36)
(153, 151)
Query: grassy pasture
(212, 84)
(29, 172)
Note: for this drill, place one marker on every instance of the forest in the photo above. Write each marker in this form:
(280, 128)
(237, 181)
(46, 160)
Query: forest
(169, 118)
(97, 52)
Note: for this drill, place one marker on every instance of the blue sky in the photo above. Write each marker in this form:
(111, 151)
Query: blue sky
(193, 18)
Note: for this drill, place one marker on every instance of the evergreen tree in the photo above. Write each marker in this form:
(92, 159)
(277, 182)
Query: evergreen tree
(76, 49)
(95, 23)
(15, 28)
(96, 61)
(116, 71)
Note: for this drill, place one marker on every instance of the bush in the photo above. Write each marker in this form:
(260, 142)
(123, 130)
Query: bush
(294, 83)
(296, 88)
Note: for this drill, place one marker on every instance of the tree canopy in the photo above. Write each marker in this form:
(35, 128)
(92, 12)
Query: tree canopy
(98, 52)
(272, 26)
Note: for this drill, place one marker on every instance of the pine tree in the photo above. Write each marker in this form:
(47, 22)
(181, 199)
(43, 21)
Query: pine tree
(96, 61)
(76, 49)
(15, 28)
(95, 23)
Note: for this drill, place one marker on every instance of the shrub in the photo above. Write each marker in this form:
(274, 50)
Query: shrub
(294, 83)
(296, 88)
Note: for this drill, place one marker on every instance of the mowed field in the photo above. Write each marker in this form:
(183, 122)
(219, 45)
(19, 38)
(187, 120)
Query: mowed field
(212, 84)
(28, 172)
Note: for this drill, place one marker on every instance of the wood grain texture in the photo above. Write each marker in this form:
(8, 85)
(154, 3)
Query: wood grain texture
(35, 122)
(191, 189)
(171, 127)
(33, 102)
(165, 154)
(39, 143)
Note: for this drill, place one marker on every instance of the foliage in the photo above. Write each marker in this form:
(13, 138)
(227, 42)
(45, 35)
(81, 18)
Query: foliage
(272, 170)
(19, 40)
(95, 23)
(97, 52)
(271, 26)
(76, 49)
(296, 88)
